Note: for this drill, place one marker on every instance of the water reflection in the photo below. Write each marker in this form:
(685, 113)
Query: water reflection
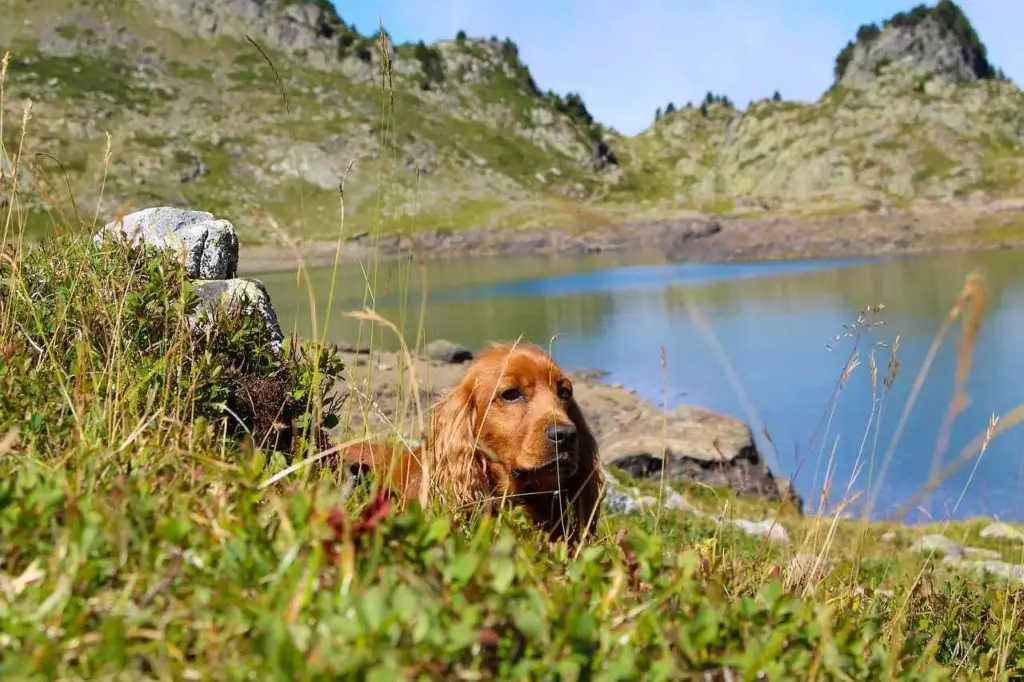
(774, 322)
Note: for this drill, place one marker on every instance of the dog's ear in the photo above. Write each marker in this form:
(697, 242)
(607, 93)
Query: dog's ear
(452, 470)
(589, 481)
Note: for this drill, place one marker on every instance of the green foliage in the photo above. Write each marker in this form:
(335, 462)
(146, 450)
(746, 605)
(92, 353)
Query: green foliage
(82, 77)
(460, 37)
(138, 543)
(94, 333)
(711, 98)
(776, 96)
(510, 54)
(431, 63)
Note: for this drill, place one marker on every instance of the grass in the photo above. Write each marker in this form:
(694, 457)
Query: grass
(81, 77)
(163, 515)
(999, 229)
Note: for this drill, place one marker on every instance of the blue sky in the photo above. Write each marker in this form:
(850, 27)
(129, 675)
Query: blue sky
(628, 58)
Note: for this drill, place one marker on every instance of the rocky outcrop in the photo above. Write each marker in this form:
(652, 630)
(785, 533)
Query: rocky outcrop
(297, 27)
(938, 41)
(208, 248)
(633, 434)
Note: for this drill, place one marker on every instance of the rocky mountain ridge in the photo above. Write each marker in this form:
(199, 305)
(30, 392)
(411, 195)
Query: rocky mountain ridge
(260, 109)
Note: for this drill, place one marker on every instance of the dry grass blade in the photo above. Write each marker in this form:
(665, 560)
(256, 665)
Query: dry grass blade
(978, 445)
(973, 298)
(731, 375)
(372, 316)
(309, 460)
(970, 289)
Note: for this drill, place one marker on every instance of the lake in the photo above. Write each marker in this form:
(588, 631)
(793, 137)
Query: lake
(768, 343)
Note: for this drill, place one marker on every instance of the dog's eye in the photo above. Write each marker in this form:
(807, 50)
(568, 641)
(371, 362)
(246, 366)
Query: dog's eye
(510, 395)
(565, 393)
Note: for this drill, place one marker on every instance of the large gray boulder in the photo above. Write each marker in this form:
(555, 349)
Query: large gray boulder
(208, 245)
(696, 445)
(240, 297)
(442, 350)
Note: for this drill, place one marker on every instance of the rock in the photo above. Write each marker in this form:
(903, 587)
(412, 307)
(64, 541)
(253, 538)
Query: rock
(938, 543)
(441, 350)
(618, 502)
(209, 245)
(998, 568)
(981, 553)
(676, 242)
(240, 297)
(674, 500)
(699, 446)
(1001, 531)
(889, 536)
(197, 171)
(773, 530)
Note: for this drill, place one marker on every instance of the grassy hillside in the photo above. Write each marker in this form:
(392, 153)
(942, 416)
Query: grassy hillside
(888, 143)
(424, 136)
(259, 109)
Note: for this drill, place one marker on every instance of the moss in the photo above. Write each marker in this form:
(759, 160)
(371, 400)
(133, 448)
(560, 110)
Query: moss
(68, 31)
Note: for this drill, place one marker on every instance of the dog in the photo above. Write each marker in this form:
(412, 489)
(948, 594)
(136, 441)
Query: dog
(509, 430)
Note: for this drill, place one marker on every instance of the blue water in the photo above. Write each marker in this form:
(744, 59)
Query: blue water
(784, 331)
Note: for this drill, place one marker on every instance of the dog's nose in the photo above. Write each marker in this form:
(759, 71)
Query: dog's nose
(561, 435)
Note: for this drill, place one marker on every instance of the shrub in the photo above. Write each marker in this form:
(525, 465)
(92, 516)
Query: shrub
(431, 64)
(91, 334)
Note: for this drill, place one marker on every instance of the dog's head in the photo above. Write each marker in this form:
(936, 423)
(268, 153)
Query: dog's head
(512, 426)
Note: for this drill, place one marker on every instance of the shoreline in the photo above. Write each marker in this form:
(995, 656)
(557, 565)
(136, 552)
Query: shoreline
(697, 238)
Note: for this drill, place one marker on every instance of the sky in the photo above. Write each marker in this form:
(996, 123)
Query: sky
(629, 58)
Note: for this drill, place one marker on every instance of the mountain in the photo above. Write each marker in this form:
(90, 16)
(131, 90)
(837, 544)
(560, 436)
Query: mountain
(916, 112)
(256, 109)
(455, 132)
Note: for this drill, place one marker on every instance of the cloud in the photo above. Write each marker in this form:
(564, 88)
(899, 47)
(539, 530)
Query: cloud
(628, 58)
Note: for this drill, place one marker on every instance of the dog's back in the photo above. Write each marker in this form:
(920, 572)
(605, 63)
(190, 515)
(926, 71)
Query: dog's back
(398, 469)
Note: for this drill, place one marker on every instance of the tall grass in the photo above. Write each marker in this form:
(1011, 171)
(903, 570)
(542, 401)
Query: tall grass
(159, 521)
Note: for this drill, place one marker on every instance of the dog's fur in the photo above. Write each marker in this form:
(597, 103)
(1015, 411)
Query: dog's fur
(510, 429)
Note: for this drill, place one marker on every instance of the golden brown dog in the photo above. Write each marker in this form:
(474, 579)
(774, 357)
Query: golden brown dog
(510, 429)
